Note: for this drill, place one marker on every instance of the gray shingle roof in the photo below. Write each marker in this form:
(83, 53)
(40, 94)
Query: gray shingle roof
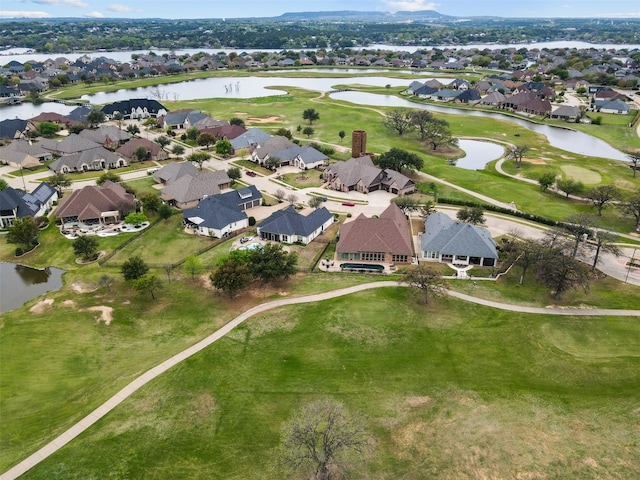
(253, 136)
(290, 222)
(187, 188)
(215, 213)
(444, 235)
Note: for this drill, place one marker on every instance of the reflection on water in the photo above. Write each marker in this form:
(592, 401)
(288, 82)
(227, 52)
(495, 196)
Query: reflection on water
(19, 284)
(478, 154)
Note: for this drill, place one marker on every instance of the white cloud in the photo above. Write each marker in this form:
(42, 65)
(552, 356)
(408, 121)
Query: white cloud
(71, 3)
(621, 15)
(115, 7)
(411, 5)
(23, 14)
(94, 15)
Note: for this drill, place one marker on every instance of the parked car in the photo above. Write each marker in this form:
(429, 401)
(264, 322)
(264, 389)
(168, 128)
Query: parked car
(348, 204)
(251, 173)
(245, 239)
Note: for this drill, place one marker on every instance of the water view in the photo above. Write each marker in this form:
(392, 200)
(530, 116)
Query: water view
(19, 284)
(478, 154)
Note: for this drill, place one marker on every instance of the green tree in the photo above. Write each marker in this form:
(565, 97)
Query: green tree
(604, 242)
(141, 154)
(397, 159)
(85, 246)
(108, 176)
(119, 118)
(284, 132)
(525, 253)
(234, 174)
(95, 117)
(150, 202)
(341, 134)
(546, 179)
(134, 268)
(24, 232)
(438, 134)
(578, 227)
(322, 440)
(163, 141)
(177, 150)
(518, 152)
(603, 195)
(272, 162)
(136, 218)
(407, 203)
(311, 115)
(4, 184)
(426, 281)
(473, 215)
(165, 211)
(272, 262)
(223, 147)
(193, 266)
(236, 121)
(231, 276)
(192, 133)
(315, 202)
(205, 139)
(570, 186)
(133, 129)
(148, 283)
(634, 159)
(198, 158)
(59, 181)
(561, 273)
(48, 129)
(631, 207)
(308, 131)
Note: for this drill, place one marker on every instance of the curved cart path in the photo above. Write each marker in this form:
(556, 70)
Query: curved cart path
(151, 374)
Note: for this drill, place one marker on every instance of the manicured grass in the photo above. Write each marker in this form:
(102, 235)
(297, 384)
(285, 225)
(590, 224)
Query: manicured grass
(143, 186)
(451, 390)
(249, 165)
(306, 179)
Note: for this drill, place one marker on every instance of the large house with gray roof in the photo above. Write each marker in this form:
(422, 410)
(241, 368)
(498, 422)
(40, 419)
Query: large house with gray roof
(136, 108)
(73, 143)
(187, 191)
(448, 241)
(249, 139)
(288, 153)
(18, 204)
(185, 118)
(219, 215)
(361, 175)
(22, 154)
(173, 171)
(289, 226)
(98, 158)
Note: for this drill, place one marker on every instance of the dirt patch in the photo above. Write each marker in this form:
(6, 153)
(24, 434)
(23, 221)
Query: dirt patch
(69, 303)
(415, 402)
(202, 405)
(534, 161)
(362, 334)
(240, 113)
(42, 306)
(271, 119)
(80, 287)
(106, 313)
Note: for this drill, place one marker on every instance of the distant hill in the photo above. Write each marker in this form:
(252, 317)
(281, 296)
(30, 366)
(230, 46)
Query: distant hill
(354, 15)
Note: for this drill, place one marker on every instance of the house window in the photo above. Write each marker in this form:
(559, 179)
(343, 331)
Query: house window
(344, 256)
(399, 258)
(431, 255)
(373, 256)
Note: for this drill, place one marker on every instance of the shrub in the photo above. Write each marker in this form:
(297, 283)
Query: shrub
(19, 251)
(252, 221)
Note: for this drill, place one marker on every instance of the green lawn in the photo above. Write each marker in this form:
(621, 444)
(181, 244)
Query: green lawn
(451, 390)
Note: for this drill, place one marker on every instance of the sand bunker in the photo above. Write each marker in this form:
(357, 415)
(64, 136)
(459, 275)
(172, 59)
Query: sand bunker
(80, 287)
(42, 306)
(272, 119)
(69, 303)
(106, 313)
(535, 161)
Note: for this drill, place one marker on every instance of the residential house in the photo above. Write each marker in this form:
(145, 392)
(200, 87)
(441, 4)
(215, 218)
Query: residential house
(18, 204)
(98, 158)
(289, 226)
(14, 128)
(73, 143)
(173, 171)
(109, 136)
(182, 119)
(384, 239)
(308, 157)
(187, 191)
(154, 151)
(249, 139)
(9, 95)
(24, 154)
(611, 106)
(448, 241)
(494, 99)
(276, 146)
(567, 113)
(93, 206)
(361, 175)
(219, 215)
(468, 96)
(136, 108)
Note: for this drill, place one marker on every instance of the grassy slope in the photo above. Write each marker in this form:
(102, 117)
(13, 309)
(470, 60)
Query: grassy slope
(451, 391)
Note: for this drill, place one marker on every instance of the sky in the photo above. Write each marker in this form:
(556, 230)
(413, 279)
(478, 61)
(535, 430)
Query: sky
(264, 8)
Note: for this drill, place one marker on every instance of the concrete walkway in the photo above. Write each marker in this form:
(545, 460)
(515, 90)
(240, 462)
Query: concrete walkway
(156, 371)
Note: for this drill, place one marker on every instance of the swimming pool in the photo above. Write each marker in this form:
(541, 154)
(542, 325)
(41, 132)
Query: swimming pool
(362, 266)
(251, 246)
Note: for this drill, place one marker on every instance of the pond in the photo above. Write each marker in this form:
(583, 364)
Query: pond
(478, 154)
(19, 284)
(566, 139)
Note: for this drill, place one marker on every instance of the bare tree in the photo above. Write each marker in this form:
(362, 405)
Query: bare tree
(602, 195)
(107, 281)
(426, 281)
(561, 273)
(518, 152)
(280, 194)
(578, 226)
(399, 120)
(632, 207)
(525, 253)
(321, 439)
(634, 158)
(315, 202)
(292, 198)
(603, 242)
(168, 269)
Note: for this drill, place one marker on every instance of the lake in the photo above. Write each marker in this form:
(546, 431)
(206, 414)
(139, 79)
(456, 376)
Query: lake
(19, 284)
(478, 154)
